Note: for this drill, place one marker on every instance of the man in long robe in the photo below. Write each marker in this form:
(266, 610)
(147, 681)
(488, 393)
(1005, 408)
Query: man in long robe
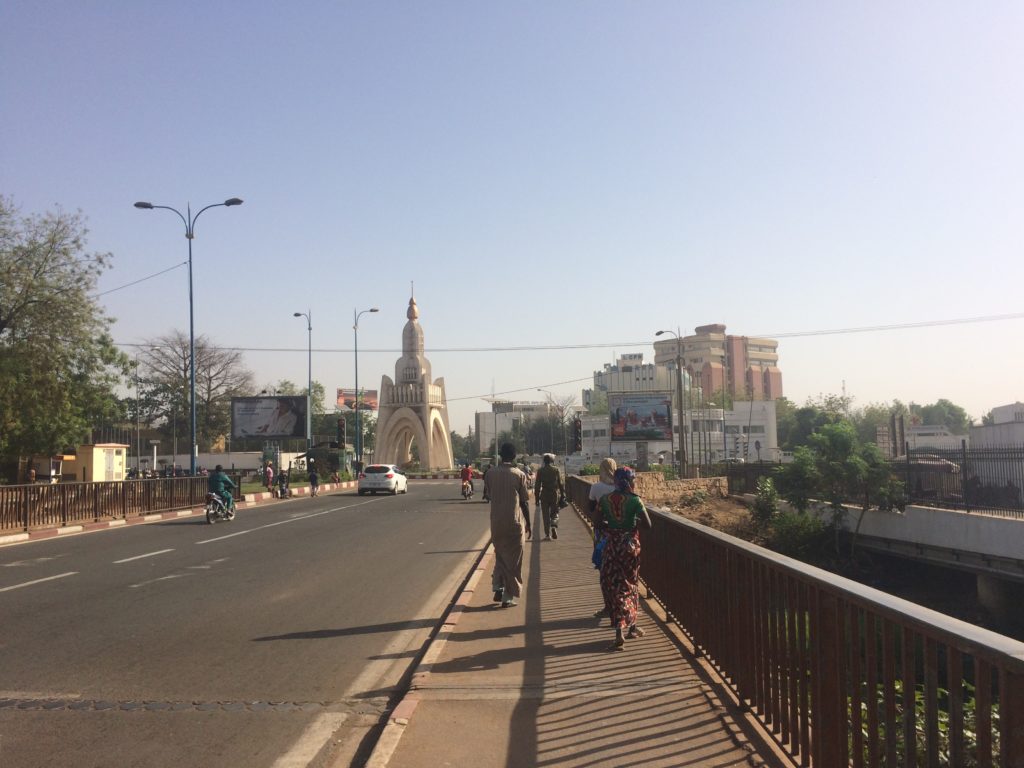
(505, 487)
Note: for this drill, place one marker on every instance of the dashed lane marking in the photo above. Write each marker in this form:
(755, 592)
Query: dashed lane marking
(38, 581)
(139, 557)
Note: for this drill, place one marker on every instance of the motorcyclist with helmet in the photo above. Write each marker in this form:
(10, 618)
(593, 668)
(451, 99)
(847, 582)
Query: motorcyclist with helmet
(222, 485)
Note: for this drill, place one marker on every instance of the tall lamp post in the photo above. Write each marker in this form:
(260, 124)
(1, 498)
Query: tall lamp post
(190, 224)
(359, 426)
(681, 458)
(551, 428)
(308, 314)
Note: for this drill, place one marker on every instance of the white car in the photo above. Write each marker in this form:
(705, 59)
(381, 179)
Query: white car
(386, 478)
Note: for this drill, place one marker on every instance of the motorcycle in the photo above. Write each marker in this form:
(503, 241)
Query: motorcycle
(467, 490)
(216, 509)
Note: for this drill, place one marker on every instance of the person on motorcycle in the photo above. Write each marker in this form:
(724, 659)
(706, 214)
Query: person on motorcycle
(282, 486)
(467, 476)
(222, 485)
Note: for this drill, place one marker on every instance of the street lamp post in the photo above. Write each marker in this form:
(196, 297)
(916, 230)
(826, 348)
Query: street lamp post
(551, 428)
(308, 314)
(681, 457)
(359, 426)
(138, 422)
(190, 224)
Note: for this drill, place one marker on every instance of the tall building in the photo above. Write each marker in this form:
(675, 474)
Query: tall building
(745, 367)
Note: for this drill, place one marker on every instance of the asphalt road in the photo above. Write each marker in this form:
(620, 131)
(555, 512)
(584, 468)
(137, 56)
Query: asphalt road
(274, 640)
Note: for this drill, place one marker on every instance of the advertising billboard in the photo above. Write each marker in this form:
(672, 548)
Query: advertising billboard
(268, 417)
(367, 399)
(640, 416)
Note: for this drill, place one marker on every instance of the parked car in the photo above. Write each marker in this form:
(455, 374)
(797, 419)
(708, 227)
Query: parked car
(384, 478)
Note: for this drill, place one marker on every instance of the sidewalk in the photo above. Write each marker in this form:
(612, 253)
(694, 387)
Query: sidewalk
(533, 685)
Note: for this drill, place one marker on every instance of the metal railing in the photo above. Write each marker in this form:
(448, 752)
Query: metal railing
(839, 673)
(31, 507)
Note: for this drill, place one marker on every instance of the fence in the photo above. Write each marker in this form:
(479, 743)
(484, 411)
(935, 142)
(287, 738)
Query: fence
(29, 507)
(840, 673)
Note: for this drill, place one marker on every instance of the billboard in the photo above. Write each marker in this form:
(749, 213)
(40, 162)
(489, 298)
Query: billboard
(367, 399)
(270, 417)
(640, 416)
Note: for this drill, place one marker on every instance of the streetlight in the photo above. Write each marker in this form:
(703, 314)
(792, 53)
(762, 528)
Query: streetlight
(190, 226)
(308, 314)
(138, 422)
(551, 427)
(679, 393)
(359, 427)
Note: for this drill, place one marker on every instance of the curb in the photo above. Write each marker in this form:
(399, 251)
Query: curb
(400, 716)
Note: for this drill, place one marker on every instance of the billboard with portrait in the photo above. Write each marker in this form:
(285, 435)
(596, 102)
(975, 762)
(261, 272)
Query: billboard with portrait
(270, 417)
(367, 399)
(640, 416)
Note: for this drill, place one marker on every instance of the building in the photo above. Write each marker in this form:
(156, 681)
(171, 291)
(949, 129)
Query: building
(1006, 429)
(507, 416)
(744, 367)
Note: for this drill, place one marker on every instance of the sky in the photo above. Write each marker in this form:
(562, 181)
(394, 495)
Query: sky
(569, 175)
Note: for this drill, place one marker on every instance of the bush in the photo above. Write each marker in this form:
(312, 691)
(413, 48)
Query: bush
(667, 471)
(804, 537)
(766, 501)
(590, 470)
(696, 498)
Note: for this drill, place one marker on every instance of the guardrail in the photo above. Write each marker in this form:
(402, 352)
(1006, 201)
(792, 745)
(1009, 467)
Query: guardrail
(30, 507)
(839, 673)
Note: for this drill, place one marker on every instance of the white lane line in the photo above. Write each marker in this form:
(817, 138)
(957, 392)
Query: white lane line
(139, 557)
(311, 741)
(285, 522)
(39, 581)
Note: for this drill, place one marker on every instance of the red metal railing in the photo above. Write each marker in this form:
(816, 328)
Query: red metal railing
(840, 673)
(30, 507)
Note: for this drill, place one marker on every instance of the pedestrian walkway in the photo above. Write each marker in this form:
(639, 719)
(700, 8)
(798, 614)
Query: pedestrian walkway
(534, 685)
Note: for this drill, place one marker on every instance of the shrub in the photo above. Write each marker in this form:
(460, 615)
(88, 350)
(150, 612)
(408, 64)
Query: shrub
(667, 471)
(696, 498)
(590, 470)
(766, 500)
(802, 536)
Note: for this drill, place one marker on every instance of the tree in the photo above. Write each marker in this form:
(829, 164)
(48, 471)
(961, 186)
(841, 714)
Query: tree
(220, 376)
(58, 366)
(946, 414)
(798, 480)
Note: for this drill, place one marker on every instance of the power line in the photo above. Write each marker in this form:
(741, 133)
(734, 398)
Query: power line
(140, 280)
(646, 343)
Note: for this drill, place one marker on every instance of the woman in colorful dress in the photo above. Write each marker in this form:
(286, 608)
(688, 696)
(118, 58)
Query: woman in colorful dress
(622, 512)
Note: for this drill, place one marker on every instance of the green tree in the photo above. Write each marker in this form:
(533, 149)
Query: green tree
(947, 414)
(798, 481)
(58, 365)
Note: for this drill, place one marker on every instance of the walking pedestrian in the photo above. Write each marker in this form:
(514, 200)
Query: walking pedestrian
(314, 480)
(268, 475)
(547, 491)
(505, 486)
(604, 486)
(622, 512)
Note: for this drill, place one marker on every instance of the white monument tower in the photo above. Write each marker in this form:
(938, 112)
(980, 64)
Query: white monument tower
(411, 408)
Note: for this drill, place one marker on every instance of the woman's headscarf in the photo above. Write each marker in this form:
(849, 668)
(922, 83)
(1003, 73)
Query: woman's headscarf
(625, 479)
(608, 467)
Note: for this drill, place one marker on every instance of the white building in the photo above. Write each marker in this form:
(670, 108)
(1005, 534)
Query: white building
(507, 417)
(1007, 428)
(747, 432)
(929, 436)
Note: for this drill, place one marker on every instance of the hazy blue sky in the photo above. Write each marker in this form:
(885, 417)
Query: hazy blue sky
(548, 173)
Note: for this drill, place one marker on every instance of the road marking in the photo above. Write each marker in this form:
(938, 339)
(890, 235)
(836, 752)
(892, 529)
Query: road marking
(285, 522)
(39, 581)
(385, 670)
(311, 741)
(31, 561)
(139, 557)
